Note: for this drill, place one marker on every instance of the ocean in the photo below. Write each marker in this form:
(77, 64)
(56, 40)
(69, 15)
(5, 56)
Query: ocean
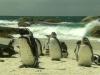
(64, 30)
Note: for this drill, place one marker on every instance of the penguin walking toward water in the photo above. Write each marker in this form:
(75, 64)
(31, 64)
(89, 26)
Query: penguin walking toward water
(28, 49)
(55, 47)
(64, 50)
(85, 53)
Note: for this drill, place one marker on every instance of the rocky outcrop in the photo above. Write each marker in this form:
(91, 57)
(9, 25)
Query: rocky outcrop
(93, 28)
(89, 18)
(24, 24)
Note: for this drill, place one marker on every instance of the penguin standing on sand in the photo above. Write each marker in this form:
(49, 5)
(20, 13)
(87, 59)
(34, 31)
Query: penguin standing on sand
(55, 47)
(7, 50)
(46, 45)
(77, 49)
(28, 49)
(64, 50)
(85, 53)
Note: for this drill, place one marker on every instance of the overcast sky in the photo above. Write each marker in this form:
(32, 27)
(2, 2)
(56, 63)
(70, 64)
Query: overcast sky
(49, 7)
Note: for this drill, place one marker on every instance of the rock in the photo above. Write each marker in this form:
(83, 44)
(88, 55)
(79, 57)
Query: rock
(93, 28)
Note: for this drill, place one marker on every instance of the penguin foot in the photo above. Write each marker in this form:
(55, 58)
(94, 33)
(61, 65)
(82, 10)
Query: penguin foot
(41, 54)
(29, 66)
(55, 59)
(85, 65)
(1, 60)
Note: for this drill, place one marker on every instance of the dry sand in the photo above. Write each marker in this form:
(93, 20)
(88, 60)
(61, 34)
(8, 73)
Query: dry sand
(67, 66)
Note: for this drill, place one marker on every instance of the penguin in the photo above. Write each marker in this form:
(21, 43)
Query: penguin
(46, 45)
(85, 53)
(28, 49)
(96, 59)
(55, 47)
(64, 50)
(11, 48)
(7, 50)
(77, 49)
(39, 46)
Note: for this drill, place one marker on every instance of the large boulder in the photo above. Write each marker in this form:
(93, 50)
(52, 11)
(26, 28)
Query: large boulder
(93, 28)
(24, 24)
(89, 18)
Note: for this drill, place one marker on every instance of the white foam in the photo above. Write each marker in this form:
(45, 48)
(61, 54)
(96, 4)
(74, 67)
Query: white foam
(64, 31)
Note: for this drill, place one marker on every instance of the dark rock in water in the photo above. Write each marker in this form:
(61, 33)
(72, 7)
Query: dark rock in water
(7, 32)
(96, 33)
(89, 18)
(23, 24)
(93, 28)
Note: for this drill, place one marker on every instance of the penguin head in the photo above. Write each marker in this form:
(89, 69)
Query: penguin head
(78, 42)
(53, 34)
(85, 40)
(23, 31)
(62, 43)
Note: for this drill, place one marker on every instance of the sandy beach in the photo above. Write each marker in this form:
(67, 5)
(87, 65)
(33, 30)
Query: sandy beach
(67, 66)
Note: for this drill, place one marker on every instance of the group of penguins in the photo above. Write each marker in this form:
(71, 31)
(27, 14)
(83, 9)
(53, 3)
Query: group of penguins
(30, 49)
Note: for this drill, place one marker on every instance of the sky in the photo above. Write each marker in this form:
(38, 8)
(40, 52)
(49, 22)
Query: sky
(49, 7)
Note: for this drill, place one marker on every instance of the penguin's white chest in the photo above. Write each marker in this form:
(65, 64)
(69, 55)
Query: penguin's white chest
(25, 52)
(55, 50)
(84, 55)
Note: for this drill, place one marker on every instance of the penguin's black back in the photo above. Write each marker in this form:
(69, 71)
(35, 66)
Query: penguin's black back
(40, 45)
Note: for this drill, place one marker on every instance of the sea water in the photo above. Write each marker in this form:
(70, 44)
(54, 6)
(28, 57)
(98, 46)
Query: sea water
(64, 30)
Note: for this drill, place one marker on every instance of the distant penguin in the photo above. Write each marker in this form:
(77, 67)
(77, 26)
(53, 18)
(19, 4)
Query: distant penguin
(96, 59)
(28, 49)
(39, 46)
(77, 49)
(46, 45)
(85, 53)
(64, 50)
(55, 47)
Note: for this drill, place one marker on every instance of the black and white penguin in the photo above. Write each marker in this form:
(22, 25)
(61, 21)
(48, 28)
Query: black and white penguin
(39, 46)
(55, 47)
(7, 50)
(46, 45)
(96, 59)
(85, 53)
(28, 49)
(77, 49)
(64, 50)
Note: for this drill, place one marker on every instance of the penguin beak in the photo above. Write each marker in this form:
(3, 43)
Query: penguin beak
(47, 35)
